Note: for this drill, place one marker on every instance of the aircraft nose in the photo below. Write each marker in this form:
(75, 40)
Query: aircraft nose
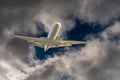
(58, 23)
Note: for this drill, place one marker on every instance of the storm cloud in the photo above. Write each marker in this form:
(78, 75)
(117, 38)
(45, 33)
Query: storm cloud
(99, 58)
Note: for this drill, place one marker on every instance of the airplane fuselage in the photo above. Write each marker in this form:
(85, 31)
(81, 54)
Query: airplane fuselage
(52, 35)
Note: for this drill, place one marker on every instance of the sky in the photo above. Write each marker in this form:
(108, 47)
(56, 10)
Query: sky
(95, 20)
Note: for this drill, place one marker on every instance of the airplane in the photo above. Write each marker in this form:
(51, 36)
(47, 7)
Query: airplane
(50, 41)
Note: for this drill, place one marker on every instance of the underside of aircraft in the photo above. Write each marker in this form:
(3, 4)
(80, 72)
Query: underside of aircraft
(50, 41)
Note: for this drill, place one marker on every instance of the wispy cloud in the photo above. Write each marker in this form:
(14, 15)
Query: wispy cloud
(99, 58)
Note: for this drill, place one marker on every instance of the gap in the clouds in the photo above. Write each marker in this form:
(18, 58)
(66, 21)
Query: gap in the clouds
(41, 32)
(66, 77)
(113, 20)
(42, 55)
(83, 29)
(80, 30)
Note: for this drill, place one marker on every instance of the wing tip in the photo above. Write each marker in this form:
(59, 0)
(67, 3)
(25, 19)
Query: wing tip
(88, 42)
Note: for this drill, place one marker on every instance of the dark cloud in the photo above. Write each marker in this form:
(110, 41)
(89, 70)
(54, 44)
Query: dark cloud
(17, 16)
(100, 58)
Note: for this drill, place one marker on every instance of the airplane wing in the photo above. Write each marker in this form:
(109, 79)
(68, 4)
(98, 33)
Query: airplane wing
(63, 43)
(35, 41)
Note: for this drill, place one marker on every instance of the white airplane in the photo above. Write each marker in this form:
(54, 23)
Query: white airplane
(50, 41)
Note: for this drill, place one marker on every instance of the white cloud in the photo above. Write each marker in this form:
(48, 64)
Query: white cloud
(101, 11)
(95, 59)
(99, 58)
